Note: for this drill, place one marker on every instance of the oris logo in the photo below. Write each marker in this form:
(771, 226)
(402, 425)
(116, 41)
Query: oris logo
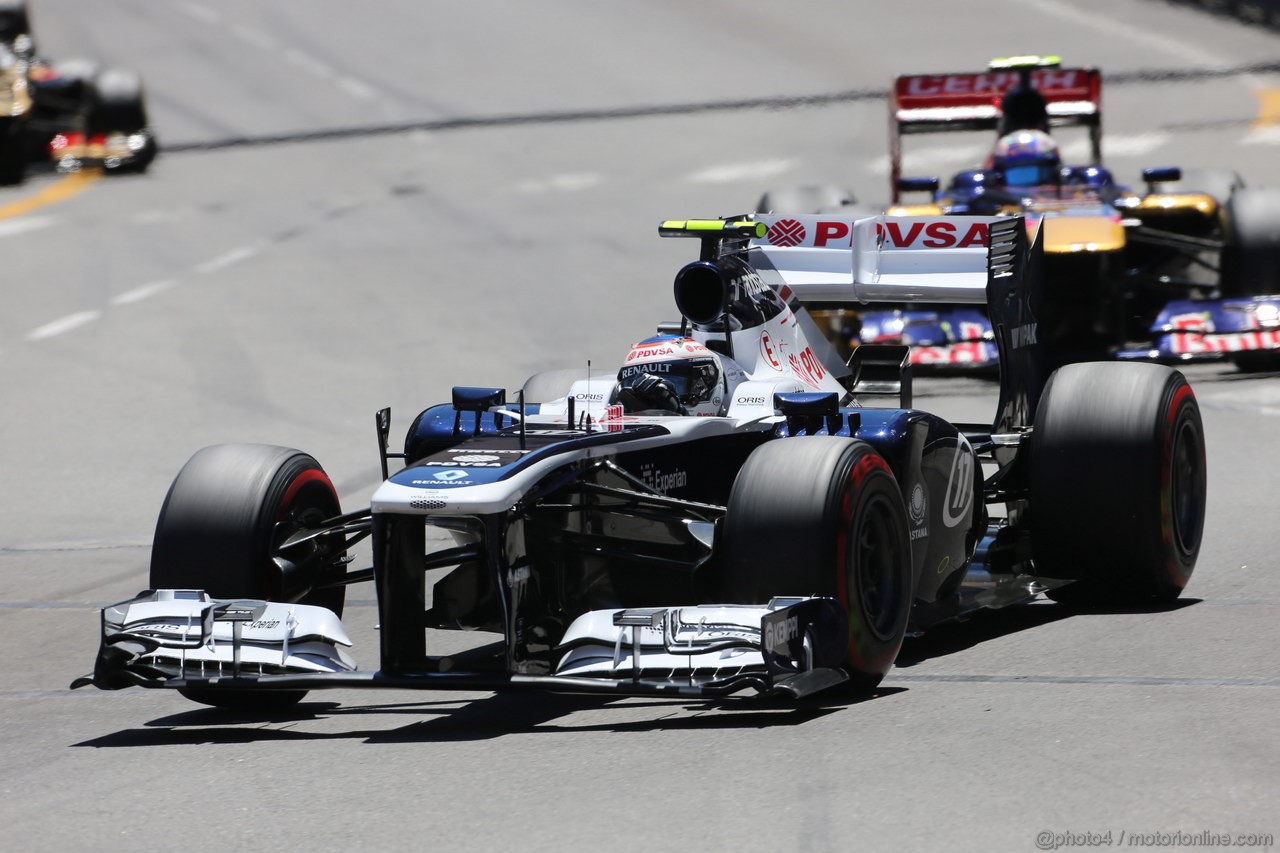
(786, 232)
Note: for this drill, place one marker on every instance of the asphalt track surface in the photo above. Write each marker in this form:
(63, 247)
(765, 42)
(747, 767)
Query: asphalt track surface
(366, 203)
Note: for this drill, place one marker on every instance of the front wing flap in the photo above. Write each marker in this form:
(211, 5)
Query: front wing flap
(792, 646)
(169, 636)
(184, 639)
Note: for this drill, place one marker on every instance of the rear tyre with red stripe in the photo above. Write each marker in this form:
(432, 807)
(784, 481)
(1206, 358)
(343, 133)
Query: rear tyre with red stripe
(1118, 483)
(823, 515)
(220, 528)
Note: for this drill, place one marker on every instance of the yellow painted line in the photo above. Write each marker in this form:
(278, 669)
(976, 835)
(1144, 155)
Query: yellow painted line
(1268, 108)
(73, 184)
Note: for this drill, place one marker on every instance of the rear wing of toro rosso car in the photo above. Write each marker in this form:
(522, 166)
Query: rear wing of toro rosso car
(793, 646)
(934, 103)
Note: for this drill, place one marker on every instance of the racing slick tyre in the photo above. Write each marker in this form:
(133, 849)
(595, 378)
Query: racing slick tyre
(812, 199)
(1251, 256)
(1256, 361)
(823, 515)
(14, 20)
(117, 104)
(1118, 483)
(13, 153)
(220, 526)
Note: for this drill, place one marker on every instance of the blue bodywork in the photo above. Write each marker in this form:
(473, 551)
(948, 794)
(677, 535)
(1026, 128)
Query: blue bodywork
(1191, 330)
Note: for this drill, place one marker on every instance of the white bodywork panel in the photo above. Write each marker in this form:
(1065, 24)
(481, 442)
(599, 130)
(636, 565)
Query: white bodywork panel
(297, 637)
(598, 647)
(824, 258)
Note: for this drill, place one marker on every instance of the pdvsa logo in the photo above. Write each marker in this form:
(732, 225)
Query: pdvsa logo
(940, 234)
(650, 352)
(786, 233)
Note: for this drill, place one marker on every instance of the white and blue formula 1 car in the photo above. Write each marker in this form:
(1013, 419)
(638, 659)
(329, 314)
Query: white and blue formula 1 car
(723, 516)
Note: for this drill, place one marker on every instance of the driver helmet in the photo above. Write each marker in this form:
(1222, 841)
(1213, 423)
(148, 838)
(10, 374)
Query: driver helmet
(1026, 158)
(670, 374)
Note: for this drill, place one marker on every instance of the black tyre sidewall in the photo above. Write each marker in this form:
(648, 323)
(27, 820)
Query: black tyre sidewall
(1251, 256)
(795, 514)
(216, 526)
(217, 530)
(118, 103)
(1109, 506)
(13, 153)
(876, 631)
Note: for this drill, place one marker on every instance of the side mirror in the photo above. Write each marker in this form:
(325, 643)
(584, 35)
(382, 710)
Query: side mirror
(918, 185)
(1161, 175)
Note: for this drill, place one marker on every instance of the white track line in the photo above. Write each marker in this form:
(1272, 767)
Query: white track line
(255, 37)
(356, 89)
(1269, 135)
(139, 293)
(144, 291)
(309, 63)
(569, 182)
(201, 12)
(9, 228)
(1102, 23)
(225, 260)
(64, 324)
(727, 173)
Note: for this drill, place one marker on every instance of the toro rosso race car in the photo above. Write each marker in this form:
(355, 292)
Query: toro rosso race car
(725, 515)
(73, 114)
(1185, 268)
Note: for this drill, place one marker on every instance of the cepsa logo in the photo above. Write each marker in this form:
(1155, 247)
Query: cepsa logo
(988, 84)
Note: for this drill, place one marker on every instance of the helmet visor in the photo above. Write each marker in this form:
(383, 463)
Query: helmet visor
(1033, 175)
(693, 379)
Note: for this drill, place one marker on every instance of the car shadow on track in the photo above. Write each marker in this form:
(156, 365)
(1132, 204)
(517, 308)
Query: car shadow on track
(983, 626)
(485, 718)
(523, 713)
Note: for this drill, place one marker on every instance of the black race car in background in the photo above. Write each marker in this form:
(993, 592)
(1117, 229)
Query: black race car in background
(724, 515)
(71, 113)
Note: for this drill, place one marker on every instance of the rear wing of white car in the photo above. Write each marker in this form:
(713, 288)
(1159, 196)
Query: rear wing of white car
(817, 259)
(828, 260)
(932, 103)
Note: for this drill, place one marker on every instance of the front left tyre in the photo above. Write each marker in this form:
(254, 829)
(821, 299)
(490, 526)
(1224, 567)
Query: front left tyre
(117, 105)
(823, 515)
(220, 530)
